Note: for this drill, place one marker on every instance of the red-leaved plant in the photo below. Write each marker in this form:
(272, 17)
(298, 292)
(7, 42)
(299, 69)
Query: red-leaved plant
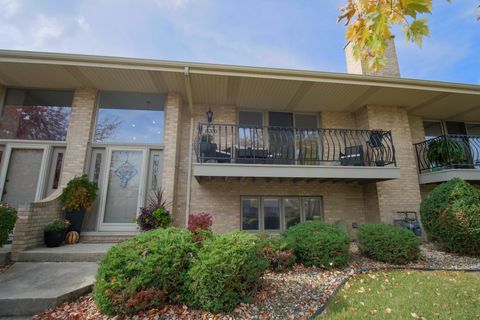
(200, 225)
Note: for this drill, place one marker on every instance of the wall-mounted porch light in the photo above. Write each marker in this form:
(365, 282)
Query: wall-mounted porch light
(209, 114)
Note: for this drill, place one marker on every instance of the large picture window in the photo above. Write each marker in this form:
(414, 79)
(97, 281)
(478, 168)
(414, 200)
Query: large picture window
(276, 214)
(130, 118)
(36, 115)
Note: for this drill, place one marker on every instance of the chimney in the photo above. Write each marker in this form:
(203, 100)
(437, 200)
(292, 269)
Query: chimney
(391, 68)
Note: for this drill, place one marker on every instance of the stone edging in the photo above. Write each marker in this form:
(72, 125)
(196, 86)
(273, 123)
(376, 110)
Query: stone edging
(364, 270)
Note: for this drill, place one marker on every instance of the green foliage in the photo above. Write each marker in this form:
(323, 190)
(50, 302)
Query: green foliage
(444, 150)
(58, 225)
(387, 243)
(162, 216)
(144, 272)
(275, 250)
(79, 193)
(226, 272)
(8, 217)
(451, 217)
(317, 243)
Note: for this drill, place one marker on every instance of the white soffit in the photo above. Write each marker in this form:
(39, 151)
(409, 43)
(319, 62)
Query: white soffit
(400, 97)
(330, 97)
(266, 93)
(449, 106)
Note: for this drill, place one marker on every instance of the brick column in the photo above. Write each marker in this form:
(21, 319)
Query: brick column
(79, 133)
(32, 219)
(399, 194)
(171, 140)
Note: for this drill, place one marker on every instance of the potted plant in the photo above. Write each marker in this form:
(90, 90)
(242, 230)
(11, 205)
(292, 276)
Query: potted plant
(76, 198)
(155, 214)
(444, 151)
(8, 217)
(54, 233)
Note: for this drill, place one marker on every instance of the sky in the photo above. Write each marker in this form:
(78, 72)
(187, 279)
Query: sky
(295, 34)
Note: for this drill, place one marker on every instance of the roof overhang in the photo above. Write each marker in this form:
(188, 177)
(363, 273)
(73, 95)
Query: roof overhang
(245, 87)
(296, 172)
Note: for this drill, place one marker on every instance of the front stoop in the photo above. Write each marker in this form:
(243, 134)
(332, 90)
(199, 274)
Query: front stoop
(28, 288)
(80, 252)
(5, 254)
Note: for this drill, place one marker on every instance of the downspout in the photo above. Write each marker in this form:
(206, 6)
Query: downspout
(189, 175)
(190, 144)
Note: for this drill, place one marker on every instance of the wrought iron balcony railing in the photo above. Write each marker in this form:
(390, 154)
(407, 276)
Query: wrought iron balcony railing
(228, 143)
(448, 152)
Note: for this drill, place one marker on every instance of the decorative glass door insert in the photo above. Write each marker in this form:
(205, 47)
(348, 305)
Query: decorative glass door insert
(124, 193)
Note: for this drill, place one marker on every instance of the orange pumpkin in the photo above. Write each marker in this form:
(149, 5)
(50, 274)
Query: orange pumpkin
(72, 237)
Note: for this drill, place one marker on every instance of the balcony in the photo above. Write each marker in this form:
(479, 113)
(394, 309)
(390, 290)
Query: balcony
(448, 156)
(233, 151)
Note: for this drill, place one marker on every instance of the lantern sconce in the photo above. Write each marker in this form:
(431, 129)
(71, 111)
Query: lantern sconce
(209, 114)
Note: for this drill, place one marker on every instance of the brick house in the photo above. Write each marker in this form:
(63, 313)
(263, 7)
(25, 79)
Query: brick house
(261, 149)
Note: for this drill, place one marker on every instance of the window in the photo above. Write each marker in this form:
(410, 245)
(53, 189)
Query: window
(250, 214)
(473, 129)
(36, 115)
(432, 129)
(455, 127)
(130, 118)
(271, 214)
(278, 213)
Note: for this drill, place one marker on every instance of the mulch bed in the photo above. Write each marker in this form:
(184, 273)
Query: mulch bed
(296, 294)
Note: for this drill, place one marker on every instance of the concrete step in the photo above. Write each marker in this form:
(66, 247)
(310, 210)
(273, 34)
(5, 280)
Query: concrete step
(5, 254)
(104, 238)
(29, 288)
(80, 252)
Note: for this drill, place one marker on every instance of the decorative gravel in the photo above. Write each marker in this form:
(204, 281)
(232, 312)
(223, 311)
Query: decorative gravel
(296, 294)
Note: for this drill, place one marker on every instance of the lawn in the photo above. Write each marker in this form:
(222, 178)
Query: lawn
(408, 295)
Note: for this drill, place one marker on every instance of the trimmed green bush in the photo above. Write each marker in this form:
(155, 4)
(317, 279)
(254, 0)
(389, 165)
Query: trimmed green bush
(451, 217)
(387, 243)
(318, 243)
(275, 250)
(144, 272)
(226, 272)
(8, 217)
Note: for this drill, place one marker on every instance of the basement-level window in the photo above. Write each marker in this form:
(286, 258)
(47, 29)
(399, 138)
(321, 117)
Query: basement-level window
(275, 214)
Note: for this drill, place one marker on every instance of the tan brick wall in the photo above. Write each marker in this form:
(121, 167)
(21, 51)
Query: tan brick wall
(79, 133)
(337, 120)
(399, 194)
(174, 111)
(31, 222)
(391, 68)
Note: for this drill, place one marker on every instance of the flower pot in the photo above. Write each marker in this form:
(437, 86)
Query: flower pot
(54, 238)
(76, 219)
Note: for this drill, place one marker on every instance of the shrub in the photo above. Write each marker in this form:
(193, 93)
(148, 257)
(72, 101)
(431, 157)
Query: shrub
(387, 243)
(58, 225)
(275, 250)
(144, 272)
(155, 214)
(200, 225)
(8, 217)
(317, 243)
(451, 217)
(226, 272)
(79, 193)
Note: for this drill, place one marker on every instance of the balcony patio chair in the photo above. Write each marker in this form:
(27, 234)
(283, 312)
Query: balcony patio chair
(353, 156)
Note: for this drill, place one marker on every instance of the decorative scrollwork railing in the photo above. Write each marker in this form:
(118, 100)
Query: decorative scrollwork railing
(448, 152)
(229, 143)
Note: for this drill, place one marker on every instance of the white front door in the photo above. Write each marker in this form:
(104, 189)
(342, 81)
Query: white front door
(124, 188)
